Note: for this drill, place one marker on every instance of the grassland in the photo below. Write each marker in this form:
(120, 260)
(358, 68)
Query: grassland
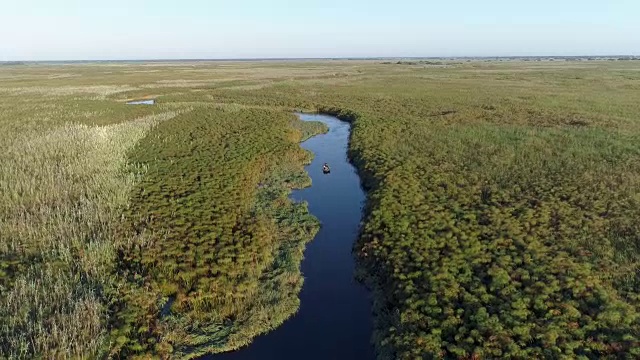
(500, 221)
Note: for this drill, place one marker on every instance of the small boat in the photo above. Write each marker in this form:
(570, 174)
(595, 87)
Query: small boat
(325, 168)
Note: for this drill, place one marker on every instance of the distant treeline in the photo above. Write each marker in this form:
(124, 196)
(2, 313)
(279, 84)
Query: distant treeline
(422, 62)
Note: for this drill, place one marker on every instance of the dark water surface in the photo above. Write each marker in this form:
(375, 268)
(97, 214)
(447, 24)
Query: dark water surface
(334, 320)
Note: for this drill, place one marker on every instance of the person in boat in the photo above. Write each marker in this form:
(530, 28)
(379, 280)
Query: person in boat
(325, 168)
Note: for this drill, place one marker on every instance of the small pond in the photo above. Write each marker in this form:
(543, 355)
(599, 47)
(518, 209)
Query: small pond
(142, 102)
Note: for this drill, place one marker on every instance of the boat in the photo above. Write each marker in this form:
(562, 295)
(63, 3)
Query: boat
(325, 168)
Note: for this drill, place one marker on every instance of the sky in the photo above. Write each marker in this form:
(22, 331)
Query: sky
(217, 29)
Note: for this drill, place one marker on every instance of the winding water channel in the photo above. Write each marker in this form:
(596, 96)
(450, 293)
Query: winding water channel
(334, 320)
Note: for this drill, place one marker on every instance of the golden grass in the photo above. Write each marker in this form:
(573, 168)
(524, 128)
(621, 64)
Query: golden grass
(61, 196)
(101, 90)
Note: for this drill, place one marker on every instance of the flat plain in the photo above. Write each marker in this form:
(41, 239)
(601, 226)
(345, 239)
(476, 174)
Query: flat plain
(501, 215)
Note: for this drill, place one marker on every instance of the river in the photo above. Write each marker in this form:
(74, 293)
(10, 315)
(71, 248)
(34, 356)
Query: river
(334, 320)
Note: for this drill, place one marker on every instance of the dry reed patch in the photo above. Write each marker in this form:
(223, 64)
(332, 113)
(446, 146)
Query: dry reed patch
(101, 90)
(61, 195)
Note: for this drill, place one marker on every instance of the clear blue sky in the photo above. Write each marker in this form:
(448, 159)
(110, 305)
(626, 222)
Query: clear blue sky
(119, 29)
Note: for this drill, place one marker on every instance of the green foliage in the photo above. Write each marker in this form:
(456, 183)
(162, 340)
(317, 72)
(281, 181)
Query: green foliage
(496, 240)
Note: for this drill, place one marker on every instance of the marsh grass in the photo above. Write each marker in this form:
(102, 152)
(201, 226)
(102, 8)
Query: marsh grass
(474, 218)
(102, 91)
(501, 217)
(224, 240)
(62, 193)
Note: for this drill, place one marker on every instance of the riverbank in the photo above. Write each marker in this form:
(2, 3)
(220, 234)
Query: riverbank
(239, 275)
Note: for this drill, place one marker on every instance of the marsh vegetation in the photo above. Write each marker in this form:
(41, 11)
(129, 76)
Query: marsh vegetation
(501, 216)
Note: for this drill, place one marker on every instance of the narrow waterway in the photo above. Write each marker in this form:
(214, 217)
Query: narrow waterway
(334, 321)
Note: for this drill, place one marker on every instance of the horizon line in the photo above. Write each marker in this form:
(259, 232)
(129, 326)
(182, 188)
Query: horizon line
(320, 58)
